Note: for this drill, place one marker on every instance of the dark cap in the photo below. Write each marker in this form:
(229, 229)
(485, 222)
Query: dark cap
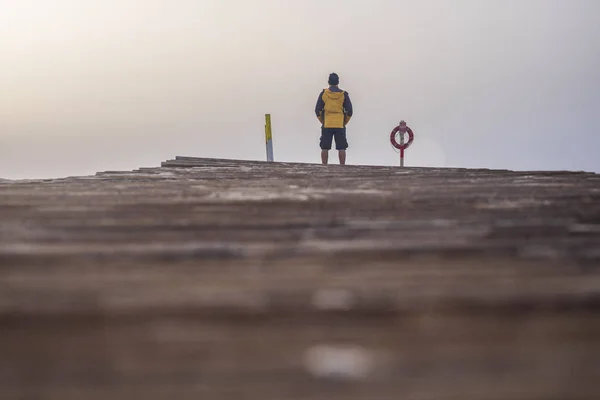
(334, 79)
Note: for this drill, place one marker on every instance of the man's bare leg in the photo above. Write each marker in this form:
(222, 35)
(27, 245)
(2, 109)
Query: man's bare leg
(324, 156)
(342, 155)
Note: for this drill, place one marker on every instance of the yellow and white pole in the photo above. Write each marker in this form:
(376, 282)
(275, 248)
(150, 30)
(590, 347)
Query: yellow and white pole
(269, 137)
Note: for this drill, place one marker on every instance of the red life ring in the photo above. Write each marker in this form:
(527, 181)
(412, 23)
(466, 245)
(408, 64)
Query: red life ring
(397, 145)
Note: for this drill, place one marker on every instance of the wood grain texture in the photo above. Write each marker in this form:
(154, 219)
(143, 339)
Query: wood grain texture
(225, 279)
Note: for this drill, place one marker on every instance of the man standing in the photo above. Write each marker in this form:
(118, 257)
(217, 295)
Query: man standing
(334, 110)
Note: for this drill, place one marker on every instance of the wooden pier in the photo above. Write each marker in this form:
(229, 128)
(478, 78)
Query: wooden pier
(226, 279)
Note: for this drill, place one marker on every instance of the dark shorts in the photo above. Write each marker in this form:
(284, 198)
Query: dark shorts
(327, 135)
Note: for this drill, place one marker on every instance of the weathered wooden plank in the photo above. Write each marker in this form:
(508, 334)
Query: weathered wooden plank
(232, 279)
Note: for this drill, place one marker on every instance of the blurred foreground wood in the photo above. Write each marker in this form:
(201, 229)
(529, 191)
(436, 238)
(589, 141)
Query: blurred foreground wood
(222, 279)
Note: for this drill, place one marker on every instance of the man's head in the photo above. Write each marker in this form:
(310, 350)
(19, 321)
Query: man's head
(334, 79)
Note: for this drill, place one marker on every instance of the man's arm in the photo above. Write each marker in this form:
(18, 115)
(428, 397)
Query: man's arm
(319, 108)
(348, 111)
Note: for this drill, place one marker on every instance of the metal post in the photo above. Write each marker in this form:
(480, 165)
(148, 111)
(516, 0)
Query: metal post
(268, 137)
(401, 144)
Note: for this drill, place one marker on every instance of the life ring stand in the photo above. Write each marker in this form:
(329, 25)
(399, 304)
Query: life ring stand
(402, 128)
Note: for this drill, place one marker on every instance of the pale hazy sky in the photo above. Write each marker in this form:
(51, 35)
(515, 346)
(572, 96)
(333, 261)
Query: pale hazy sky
(88, 85)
